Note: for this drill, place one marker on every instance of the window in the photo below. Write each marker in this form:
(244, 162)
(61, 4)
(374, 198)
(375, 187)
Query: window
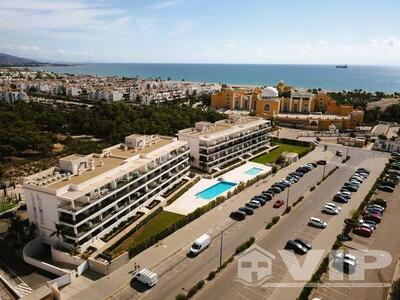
(267, 108)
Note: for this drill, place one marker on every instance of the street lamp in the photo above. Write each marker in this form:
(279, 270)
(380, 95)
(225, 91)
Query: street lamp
(220, 251)
(287, 198)
(323, 173)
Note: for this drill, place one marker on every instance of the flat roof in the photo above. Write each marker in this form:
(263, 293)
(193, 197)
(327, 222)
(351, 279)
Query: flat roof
(118, 157)
(225, 127)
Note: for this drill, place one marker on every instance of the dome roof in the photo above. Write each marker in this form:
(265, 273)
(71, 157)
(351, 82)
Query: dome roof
(269, 92)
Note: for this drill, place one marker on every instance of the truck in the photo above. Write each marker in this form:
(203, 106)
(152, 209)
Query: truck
(200, 244)
(147, 277)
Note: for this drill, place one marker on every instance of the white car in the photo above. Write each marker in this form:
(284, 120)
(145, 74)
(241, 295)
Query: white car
(317, 222)
(348, 193)
(356, 176)
(377, 207)
(333, 205)
(330, 210)
(340, 256)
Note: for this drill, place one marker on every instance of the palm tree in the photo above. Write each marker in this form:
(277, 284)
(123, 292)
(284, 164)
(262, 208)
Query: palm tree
(16, 227)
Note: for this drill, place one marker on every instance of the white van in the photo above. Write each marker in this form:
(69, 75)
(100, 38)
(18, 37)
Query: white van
(200, 244)
(147, 277)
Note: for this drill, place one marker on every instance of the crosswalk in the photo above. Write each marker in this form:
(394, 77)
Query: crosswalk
(24, 289)
(342, 165)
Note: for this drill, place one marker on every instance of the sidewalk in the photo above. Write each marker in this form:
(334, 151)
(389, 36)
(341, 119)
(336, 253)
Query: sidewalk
(211, 221)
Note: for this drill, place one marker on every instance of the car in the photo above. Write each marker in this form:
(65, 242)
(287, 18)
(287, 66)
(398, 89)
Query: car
(380, 202)
(366, 225)
(395, 154)
(363, 170)
(340, 199)
(357, 179)
(299, 174)
(344, 195)
(333, 205)
(271, 191)
(330, 210)
(286, 183)
(293, 178)
(350, 188)
(304, 243)
(385, 188)
(377, 207)
(345, 262)
(276, 190)
(369, 222)
(308, 167)
(278, 203)
(247, 210)
(361, 174)
(339, 153)
(302, 170)
(353, 183)
(314, 164)
(260, 200)
(373, 211)
(345, 192)
(296, 247)
(279, 185)
(253, 204)
(372, 217)
(395, 167)
(388, 183)
(362, 231)
(268, 195)
(317, 222)
(321, 162)
(238, 215)
(395, 172)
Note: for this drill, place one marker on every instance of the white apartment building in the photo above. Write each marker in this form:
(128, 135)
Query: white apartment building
(213, 145)
(89, 195)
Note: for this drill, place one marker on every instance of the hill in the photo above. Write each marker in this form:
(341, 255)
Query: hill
(10, 60)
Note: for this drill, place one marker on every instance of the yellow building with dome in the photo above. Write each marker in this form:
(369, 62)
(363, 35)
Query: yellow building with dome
(302, 109)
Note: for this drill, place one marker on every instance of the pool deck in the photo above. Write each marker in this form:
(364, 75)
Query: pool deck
(188, 202)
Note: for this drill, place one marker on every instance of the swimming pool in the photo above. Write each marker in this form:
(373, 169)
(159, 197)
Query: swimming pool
(215, 190)
(253, 171)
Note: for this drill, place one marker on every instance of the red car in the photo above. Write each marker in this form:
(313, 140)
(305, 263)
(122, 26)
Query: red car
(362, 231)
(321, 162)
(278, 203)
(372, 217)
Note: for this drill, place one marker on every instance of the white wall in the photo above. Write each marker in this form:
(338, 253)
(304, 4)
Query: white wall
(61, 256)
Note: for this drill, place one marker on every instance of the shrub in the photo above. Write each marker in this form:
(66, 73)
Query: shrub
(211, 275)
(312, 188)
(287, 210)
(245, 245)
(181, 297)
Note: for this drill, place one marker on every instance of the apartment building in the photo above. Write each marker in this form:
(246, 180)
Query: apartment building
(213, 145)
(88, 195)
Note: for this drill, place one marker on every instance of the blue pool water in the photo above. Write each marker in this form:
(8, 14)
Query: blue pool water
(253, 171)
(215, 190)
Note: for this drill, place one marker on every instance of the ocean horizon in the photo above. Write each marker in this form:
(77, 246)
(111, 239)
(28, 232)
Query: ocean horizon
(369, 78)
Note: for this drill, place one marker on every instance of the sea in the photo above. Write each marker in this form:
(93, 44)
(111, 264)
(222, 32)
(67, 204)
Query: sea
(369, 78)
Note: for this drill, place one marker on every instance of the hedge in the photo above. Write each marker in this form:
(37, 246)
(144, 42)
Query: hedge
(182, 191)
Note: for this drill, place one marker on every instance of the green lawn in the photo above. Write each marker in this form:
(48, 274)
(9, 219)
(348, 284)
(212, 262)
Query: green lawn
(161, 221)
(6, 206)
(273, 156)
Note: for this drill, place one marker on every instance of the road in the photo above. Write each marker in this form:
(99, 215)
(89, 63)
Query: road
(178, 273)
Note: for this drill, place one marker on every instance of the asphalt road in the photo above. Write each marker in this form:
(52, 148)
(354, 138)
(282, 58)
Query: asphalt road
(179, 272)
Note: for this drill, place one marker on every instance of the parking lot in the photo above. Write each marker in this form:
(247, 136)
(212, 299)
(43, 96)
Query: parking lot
(384, 238)
(295, 226)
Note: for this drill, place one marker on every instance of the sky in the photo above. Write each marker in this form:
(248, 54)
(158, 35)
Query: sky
(363, 32)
